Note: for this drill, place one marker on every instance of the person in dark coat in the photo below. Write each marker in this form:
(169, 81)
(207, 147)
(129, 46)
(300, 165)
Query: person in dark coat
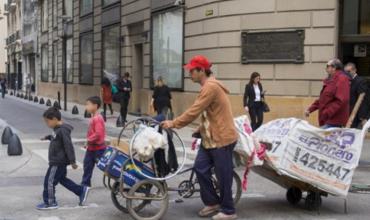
(333, 103)
(124, 87)
(3, 86)
(161, 99)
(358, 86)
(253, 100)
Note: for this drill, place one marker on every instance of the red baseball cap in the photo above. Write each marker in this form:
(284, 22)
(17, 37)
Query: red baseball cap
(198, 61)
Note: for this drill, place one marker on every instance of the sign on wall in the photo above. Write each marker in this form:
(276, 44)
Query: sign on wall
(273, 47)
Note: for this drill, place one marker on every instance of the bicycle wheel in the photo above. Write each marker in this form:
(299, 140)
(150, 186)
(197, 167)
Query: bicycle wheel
(236, 187)
(120, 202)
(154, 195)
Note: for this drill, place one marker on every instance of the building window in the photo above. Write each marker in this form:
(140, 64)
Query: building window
(167, 47)
(109, 2)
(44, 63)
(86, 7)
(111, 50)
(69, 57)
(44, 14)
(356, 17)
(86, 59)
(55, 63)
(55, 13)
(68, 8)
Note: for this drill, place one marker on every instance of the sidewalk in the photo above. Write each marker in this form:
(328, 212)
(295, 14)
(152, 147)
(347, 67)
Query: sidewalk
(184, 133)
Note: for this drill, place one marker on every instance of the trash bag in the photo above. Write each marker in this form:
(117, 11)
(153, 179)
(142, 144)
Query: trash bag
(147, 141)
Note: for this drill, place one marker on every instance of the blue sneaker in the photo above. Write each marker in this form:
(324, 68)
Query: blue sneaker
(83, 196)
(44, 206)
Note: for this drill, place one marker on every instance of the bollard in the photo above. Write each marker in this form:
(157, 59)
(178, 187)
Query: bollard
(17, 95)
(11, 93)
(7, 134)
(87, 115)
(15, 146)
(36, 99)
(21, 96)
(30, 98)
(75, 110)
(42, 101)
(25, 97)
(56, 105)
(48, 102)
(104, 116)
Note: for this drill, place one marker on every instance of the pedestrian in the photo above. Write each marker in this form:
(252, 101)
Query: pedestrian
(107, 96)
(253, 100)
(219, 137)
(28, 85)
(61, 154)
(3, 86)
(125, 88)
(333, 103)
(358, 86)
(161, 99)
(95, 139)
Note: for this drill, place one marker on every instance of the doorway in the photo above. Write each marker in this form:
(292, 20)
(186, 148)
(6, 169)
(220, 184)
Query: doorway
(32, 69)
(137, 76)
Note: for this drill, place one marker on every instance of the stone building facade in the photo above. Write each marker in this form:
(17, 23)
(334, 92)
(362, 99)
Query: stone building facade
(13, 11)
(152, 38)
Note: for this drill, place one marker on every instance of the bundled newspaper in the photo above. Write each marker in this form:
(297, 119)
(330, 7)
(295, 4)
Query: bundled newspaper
(324, 158)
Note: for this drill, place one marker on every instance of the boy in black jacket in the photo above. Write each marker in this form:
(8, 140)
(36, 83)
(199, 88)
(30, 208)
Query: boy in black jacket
(61, 154)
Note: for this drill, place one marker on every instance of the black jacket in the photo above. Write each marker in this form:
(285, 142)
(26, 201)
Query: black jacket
(162, 97)
(358, 86)
(121, 85)
(61, 151)
(250, 95)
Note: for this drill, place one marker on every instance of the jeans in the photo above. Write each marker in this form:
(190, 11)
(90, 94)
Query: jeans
(91, 158)
(256, 114)
(221, 160)
(3, 91)
(55, 175)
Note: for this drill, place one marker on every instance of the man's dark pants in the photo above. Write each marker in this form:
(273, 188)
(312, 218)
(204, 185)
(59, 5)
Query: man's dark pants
(55, 175)
(3, 91)
(91, 158)
(124, 101)
(221, 160)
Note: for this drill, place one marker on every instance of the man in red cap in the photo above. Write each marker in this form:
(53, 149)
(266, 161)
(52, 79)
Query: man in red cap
(218, 135)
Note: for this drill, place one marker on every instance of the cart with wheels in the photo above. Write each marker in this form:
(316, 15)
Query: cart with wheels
(307, 160)
(136, 185)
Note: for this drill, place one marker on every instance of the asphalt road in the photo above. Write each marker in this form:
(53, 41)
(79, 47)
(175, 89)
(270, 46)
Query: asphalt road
(21, 183)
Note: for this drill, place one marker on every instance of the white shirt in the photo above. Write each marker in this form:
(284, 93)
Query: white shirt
(257, 92)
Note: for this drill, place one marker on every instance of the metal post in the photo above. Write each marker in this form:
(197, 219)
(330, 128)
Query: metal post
(65, 62)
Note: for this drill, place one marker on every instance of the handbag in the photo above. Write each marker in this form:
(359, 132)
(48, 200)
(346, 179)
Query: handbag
(170, 115)
(114, 89)
(266, 107)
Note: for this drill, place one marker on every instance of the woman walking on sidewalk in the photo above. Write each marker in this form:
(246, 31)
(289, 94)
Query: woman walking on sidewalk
(3, 86)
(161, 99)
(106, 95)
(253, 100)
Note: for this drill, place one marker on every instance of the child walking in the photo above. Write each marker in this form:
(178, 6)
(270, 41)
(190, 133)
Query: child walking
(61, 154)
(95, 139)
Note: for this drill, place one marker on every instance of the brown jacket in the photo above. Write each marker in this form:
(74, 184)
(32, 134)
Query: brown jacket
(217, 123)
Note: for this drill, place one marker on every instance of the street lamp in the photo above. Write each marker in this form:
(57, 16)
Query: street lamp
(65, 20)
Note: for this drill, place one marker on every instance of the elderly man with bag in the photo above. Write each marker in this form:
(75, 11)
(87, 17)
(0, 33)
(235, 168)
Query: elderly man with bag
(219, 137)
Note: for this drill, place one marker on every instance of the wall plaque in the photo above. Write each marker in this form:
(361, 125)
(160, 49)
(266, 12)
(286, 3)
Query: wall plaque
(273, 47)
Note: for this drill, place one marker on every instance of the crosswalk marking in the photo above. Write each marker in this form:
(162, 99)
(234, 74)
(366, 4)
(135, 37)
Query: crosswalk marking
(49, 218)
(89, 206)
(43, 153)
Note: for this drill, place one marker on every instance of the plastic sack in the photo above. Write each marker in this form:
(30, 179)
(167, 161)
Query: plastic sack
(147, 141)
